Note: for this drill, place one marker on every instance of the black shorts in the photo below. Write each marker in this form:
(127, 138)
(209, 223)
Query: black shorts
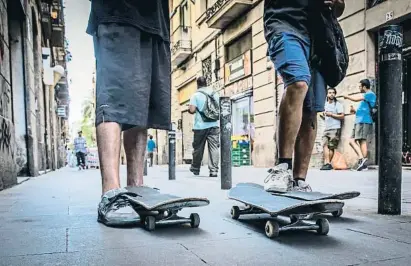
(133, 77)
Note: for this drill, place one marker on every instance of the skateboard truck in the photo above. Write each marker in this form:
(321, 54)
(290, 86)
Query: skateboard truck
(150, 219)
(281, 223)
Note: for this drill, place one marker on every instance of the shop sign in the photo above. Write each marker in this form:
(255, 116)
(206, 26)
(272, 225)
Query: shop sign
(61, 111)
(239, 86)
(238, 68)
(185, 93)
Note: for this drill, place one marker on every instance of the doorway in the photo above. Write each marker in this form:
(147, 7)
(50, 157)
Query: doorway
(243, 123)
(406, 107)
(17, 66)
(188, 137)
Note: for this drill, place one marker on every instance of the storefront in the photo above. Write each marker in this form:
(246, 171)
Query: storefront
(185, 142)
(239, 86)
(242, 128)
(406, 99)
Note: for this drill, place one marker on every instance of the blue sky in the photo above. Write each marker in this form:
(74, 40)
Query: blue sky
(81, 47)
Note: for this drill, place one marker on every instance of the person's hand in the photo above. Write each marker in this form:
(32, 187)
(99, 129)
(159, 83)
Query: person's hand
(328, 113)
(352, 110)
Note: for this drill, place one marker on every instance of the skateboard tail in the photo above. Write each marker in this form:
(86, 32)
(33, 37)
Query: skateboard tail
(177, 203)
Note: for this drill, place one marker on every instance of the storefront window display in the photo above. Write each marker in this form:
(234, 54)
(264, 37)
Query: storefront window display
(242, 130)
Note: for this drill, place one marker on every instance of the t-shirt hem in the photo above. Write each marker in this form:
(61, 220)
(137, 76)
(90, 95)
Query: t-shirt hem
(91, 30)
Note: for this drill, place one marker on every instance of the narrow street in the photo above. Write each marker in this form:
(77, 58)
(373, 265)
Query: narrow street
(51, 220)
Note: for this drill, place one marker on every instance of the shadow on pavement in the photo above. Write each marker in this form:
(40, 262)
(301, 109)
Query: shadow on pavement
(176, 231)
(338, 220)
(293, 238)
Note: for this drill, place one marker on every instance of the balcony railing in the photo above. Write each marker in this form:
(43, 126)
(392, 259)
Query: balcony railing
(181, 44)
(46, 20)
(372, 3)
(223, 12)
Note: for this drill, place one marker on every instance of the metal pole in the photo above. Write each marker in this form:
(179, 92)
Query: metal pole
(225, 142)
(171, 155)
(390, 120)
(145, 166)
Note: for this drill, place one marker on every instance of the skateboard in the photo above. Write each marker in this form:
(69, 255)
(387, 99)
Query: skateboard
(155, 208)
(315, 195)
(286, 214)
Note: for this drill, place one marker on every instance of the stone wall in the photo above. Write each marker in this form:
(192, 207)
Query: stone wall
(7, 141)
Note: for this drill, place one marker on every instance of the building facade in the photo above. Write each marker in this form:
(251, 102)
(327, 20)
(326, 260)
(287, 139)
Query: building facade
(223, 40)
(33, 95)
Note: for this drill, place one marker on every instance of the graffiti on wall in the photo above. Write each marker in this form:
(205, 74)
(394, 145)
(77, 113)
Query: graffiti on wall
(4, 98)
(6, 137)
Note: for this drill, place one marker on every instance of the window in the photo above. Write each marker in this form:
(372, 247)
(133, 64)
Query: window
(238, 47)
(184, 15)
(207, 70)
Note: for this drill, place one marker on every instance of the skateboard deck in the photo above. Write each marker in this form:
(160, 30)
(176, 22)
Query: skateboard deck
(312, 196)
(156, 208)
(286, 213)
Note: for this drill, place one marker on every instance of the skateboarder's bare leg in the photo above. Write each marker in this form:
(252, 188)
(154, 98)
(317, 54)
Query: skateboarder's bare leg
(327, 154)
(290, 116)
(135, 141)
(304, 145)
(108, 142)
(364, 150)
(354, 145)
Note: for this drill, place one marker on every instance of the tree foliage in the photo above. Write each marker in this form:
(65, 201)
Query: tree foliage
(88, 122)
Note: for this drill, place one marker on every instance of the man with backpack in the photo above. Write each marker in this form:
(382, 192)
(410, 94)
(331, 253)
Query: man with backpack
(297, 31)
(364, 118)
(204, 104)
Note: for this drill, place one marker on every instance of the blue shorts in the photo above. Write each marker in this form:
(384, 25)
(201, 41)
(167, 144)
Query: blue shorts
(290, 55)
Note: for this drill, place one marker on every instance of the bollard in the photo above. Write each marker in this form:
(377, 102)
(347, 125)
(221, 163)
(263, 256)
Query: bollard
(145, 166)
(390, 130)
(225, 142)
(171, 155)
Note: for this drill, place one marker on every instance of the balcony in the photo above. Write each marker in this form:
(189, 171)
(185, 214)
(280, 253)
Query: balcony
(46, 20)
(62, 91)
(57, 23)
(180, 44)
(372, 3)
(223, 12)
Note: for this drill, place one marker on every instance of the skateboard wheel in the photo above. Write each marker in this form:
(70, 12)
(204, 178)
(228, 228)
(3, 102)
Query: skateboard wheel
(235, 212)
(195, 220)
(323, 226)
(272, 229)
(337, 213)
(150, 223)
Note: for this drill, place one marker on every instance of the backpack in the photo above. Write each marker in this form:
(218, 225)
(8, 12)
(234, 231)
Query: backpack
(330, 55)
(373, 111)
(211, 109)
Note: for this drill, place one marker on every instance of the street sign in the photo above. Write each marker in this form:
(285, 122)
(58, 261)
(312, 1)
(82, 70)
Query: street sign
(61, 111)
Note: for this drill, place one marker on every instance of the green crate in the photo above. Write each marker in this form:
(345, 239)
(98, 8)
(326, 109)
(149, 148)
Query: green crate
(236, 164)
(245, 162)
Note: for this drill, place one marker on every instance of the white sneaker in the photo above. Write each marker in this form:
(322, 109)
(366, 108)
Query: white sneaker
(279, 179)
(302, 186)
